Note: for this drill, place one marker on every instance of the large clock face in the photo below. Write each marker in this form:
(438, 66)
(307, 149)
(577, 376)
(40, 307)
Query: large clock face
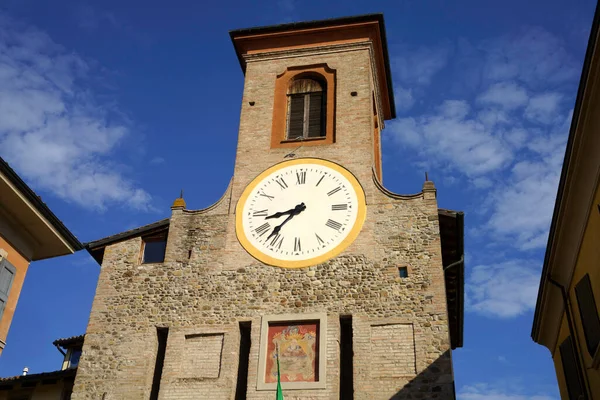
(300, 213)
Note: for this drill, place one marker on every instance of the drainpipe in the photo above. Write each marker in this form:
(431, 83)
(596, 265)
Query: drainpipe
(575, 335)
(454, 264)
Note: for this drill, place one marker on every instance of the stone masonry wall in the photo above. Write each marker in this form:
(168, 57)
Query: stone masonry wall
(209, 283)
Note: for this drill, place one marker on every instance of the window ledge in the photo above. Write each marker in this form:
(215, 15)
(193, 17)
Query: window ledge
(312, 139)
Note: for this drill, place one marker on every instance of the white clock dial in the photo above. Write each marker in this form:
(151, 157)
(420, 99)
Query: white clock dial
(300, 213)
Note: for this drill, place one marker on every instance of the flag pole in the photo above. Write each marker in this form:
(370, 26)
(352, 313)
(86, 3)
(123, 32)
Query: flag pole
(279, 391)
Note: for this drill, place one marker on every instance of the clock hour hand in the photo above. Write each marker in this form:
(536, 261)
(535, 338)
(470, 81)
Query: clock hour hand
(293, 212)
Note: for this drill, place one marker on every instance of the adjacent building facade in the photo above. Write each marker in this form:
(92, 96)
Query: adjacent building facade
(566, 317)
(29, 231)
(55, 385)
(306, 259)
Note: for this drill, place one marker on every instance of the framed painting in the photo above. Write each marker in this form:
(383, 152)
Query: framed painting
(298, 340)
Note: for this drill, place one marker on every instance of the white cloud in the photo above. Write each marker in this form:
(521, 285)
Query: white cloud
(523, 206)
(502, 290)
(507, 95)
(533, 56)
(544, 107)
(421, 65)
(483, 391)
(52, 131)
(450, 136)
(403, 98)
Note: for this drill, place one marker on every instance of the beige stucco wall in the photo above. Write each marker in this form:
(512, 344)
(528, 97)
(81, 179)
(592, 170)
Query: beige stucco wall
(21, 265)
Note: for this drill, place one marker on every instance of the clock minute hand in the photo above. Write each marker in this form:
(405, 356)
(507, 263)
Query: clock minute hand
(293, 212)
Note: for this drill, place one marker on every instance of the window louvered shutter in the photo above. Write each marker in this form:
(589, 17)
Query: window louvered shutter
(588, 313)
(571, 370)
(7, 275)
(315, 115)
(296, 116)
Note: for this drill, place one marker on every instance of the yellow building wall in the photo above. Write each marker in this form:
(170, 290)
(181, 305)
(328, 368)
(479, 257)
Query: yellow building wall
(21, 264)
(588, 262)
(560, 376)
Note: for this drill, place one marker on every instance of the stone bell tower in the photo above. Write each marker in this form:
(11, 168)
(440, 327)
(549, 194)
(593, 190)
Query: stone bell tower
(203, 304)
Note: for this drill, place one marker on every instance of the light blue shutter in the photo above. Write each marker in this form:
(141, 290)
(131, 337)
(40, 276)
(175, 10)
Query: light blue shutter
(7, 274)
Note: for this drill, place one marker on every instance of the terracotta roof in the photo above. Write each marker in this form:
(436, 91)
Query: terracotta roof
(71, 372)
(39, 205)
(65, 342)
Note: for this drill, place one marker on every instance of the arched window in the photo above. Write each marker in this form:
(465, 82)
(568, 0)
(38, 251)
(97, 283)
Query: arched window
(306, 109)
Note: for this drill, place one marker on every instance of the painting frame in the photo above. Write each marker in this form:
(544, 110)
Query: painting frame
(271, 320)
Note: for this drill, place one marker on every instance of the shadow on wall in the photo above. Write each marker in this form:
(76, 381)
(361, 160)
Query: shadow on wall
(435, 382)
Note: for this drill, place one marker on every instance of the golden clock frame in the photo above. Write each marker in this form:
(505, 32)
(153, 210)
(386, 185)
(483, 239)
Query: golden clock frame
(352, 235)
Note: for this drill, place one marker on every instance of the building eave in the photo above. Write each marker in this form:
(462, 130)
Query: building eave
(8, 382)
(320, 24)
(452, 238)
(29, 202)
(69, 342)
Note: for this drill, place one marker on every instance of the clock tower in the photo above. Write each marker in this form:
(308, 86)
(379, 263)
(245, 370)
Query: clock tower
(307, 270)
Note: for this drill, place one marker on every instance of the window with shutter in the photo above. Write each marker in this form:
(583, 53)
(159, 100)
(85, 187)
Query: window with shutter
(306, 109)
(296, 116)
(7, 275)
(315, 122)
(571, 370)
(588, 313)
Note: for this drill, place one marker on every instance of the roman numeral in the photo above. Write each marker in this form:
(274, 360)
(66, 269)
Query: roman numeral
(261, 213)
(320, 180)
(263, 194)
(261, 230)
(333, 224)
(334, 191)
(297, 244)
(339, 207)
(277, 238)
(319, 240)
(281, 183)
(300, 178)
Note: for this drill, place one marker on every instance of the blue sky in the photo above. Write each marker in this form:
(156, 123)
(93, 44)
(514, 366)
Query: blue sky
(108, 109)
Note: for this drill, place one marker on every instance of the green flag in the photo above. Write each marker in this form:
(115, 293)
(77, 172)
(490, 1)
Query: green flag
(279, 392)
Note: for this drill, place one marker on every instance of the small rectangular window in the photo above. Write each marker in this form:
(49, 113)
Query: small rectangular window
(571, 370)
(588, 313)
(403, 272)
(154, 249)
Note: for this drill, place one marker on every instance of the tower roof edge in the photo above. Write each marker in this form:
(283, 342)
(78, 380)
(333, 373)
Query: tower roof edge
(314, 33)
